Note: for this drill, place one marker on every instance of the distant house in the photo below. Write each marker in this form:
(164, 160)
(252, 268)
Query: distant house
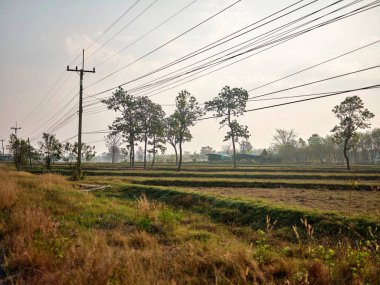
(246, 156)
(5, 157)
(218, 157)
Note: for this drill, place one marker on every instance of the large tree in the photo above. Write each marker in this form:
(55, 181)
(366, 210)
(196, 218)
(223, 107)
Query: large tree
(187, 112)
(228, 104)
(352, 116)
(50, 149)
(128, 123)
(151, 116)
(20, 150)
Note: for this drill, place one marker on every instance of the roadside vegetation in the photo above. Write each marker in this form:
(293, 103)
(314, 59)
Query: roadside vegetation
(53, 231)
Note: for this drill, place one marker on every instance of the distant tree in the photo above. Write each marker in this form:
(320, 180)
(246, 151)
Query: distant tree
(228, 104)
(140, 154)
(245, 146)
(317, 147)
(19, 149)
(375, 146)
(50, 149)
(186, 114)
(128, 124)
(352, 116)
(113, 144)
(302, 149)
(195, 156)
(206, 150)
(226, 148)
(285, 142)
(283, 137)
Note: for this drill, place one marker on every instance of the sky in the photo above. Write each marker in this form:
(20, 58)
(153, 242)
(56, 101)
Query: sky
(40, 38)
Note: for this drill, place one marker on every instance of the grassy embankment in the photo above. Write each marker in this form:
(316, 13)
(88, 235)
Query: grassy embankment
(52, 232)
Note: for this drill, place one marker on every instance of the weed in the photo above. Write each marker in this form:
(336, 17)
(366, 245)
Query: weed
(262, 248)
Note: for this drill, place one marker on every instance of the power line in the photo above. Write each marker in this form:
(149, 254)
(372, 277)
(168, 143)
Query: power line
(209, 67)
(317, 81)
(113, 24)
(147, 33)
(213, 63)
(126, 26)
(231, 57)
(303, 100)
(166, 43)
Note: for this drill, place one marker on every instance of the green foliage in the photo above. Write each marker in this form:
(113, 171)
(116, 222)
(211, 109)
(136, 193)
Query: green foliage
(127, 124)
(352, 116)
(228, 104)
(19, 149)
(187, 112)
(70, 155)
(262, 248)
(50, 149)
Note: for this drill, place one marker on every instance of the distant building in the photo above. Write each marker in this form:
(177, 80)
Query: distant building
(218, 157)
(246, 156)
(5, 157)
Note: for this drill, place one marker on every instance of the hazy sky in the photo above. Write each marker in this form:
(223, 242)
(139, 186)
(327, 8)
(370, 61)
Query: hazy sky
(40, 38)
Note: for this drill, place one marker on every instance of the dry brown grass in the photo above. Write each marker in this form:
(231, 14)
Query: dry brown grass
(45, 242)
(363, 203)
(8, 189)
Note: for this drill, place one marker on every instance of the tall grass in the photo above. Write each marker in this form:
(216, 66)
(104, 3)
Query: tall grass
(52, 233)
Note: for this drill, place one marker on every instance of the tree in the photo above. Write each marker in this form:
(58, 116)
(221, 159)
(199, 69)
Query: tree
(171, 131)
(286, 144)
(245, 146)
(50, 149)
(157, 138)
(113, 144)
(317, 147)
(70, 155)
(226, 148)
(352, 116)
(150, 116)
(127, 124)
(228, 104)
(186, 114)
(283, 137)
(206, 150)
(19, 149)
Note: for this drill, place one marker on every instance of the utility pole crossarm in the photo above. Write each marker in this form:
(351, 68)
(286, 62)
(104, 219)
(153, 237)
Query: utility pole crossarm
(16, 129)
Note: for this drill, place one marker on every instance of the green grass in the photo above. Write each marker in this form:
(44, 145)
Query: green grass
(52, 232)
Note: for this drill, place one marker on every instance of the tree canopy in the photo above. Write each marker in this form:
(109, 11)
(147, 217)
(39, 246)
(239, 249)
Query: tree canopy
(352, 116)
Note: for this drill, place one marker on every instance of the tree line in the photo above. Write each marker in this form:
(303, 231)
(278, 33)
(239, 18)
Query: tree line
(139, 120)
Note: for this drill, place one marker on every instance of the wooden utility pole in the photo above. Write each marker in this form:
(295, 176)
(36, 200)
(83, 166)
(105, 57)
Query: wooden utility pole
(2, 145)
(81, 72)
(30, 155)
(15, 129)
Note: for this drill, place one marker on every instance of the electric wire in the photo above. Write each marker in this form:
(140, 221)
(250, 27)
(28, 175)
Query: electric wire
(164, 44)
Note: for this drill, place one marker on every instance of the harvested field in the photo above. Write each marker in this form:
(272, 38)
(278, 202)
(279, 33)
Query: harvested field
(356, 203)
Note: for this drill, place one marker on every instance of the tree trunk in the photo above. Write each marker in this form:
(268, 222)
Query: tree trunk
(145, 145)
(346, 154)
(113, 154)
(154, 151)
(180, 154)
(233, 138)
(234, 150)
